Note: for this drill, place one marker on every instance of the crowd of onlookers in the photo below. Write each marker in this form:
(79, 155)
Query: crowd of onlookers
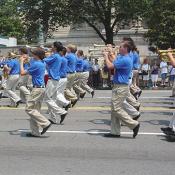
(151, 75)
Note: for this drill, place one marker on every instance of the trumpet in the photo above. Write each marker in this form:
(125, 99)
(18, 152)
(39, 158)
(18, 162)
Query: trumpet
(163, 54)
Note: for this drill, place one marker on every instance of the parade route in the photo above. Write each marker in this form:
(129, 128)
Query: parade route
(78, 145)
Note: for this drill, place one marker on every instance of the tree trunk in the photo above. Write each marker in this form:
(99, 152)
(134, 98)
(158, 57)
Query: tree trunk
(109, 35)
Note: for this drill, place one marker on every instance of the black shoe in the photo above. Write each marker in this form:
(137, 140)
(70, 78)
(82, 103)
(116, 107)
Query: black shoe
(17, 103)
(172, 96)
(31, 135)
(136, 130)
(166, 129)
(4, 96)
(169, 133)
(67, 107)
(0, 95)
(136, 96)
(52, 122)
(82, 95)
(139, 93)
(111, 135)
(62, 118)
(45, 129)
(74, 102)
(92, 93)
(137, 108)
(136, 118)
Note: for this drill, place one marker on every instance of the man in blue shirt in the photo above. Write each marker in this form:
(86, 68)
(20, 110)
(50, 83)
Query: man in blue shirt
(71, 74)
(33, 106)
(54, 63)
(61, 100)
(23, 80)
(12, 68)
(123, 67)
(79, 70)
(84, 73)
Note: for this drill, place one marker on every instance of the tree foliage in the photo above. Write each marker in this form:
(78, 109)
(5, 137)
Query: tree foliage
(10, 23)
(42, 16)
(161, 24)
(109, 15)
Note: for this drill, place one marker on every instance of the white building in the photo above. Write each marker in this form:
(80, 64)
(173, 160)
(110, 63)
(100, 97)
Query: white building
(8, 41)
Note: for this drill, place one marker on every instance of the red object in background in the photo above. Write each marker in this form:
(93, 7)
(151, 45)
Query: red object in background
(46, 77)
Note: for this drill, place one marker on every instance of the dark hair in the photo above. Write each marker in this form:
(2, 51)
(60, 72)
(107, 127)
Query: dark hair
(64, 50)
(127, 45)
(130, 42)
(80, 52)
(23, 50)
(39, 52)
(58, 46)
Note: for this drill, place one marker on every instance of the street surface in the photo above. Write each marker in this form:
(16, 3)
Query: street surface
(79, 148)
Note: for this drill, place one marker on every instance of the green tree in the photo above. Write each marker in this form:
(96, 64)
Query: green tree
(110, 15)
(161, 24)
(41, 17)
(10, 23)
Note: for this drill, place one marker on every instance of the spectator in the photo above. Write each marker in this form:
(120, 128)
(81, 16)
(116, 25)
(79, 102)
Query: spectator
(96, 74)
(145, 72)
(164, 71)
(154, 74)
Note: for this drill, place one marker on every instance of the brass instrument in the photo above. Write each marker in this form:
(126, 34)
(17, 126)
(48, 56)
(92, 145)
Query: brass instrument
(163, 54)
(98, 50)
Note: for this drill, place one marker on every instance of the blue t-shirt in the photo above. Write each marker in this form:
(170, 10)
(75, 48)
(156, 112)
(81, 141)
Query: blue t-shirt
(79, 65)
(14, 65)
(136, 60)
(37, 70)
(63, 69)
(53, 66)
(26, 66)
(86, 66)
(71, 64)
(123, 67)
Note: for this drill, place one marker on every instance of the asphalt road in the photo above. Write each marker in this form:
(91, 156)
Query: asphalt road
(79, 148)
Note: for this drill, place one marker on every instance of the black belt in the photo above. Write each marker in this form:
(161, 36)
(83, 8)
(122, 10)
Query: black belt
(71, 72)
(38, 86)
(63, 77)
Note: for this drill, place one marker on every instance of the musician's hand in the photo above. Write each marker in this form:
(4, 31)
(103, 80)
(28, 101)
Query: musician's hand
(170, 54)
(23, 58)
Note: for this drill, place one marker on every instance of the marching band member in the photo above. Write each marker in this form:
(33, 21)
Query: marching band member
(85, 73)
(23, 80)
(54, 62)
(33, 105)
(77, 83)
(12, 68)
(61, 100)
(71, 74)
(123, 66)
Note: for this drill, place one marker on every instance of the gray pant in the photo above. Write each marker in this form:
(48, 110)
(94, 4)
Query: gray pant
(118, 114)
(132, 101)
(52, 89)
(33, 107)
(24, 92)
(11, 85)
(69, 92)
(77, 84)
(84, 80)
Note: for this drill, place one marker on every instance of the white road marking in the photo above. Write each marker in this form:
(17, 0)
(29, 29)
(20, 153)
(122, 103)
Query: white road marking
(166, 98)
(99, 132)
